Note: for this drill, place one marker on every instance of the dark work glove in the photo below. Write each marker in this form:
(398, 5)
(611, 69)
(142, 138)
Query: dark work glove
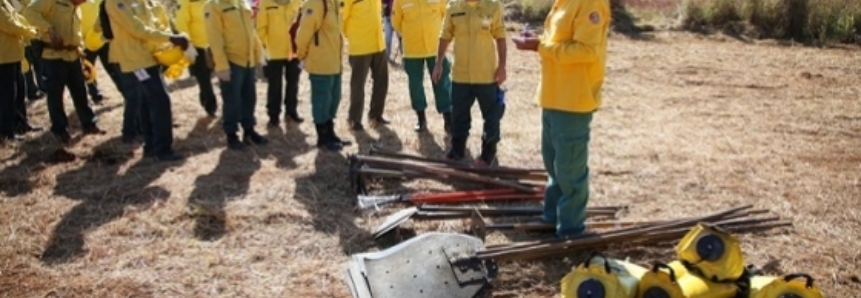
(180, 41)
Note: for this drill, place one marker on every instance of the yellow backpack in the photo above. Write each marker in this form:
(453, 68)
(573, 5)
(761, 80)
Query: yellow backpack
(694, 285)
(712, 251)
(657, 283)
(789, 286)
(602, 278)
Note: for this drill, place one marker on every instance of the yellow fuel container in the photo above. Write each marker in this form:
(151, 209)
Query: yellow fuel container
(658, 283)
(603, 278)
(694, 285)
(788, 286)
(716, 253)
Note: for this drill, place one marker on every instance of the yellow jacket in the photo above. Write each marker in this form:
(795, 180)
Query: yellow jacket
(62, 16)
(89, 14)
(190, 20)
(573, 53)
(231, 34)
(363, 26)
(161, 18)
(135, 31)
(474, 29)
(273, 26)
(419, 23)
(14, 29)
(319, 40)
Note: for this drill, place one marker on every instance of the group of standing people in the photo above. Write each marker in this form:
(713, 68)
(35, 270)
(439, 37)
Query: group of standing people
(292, 36)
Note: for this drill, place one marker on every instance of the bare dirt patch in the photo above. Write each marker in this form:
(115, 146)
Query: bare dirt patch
(689, 125)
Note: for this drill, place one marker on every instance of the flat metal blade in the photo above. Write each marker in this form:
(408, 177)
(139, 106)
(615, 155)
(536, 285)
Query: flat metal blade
(394, 220)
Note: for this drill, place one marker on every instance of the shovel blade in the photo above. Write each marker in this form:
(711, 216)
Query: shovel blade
(367, 202)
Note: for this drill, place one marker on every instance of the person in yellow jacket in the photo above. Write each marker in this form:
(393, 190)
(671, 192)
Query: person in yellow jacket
(318, 46)
(274, 23)
(363, 27)
(31, 64)
(14, 30)
(190, 20)
(477, 29)
(132, 30)
(419, 23)
(89, 14)
(573, 52)
(236, 51)
(60, 27)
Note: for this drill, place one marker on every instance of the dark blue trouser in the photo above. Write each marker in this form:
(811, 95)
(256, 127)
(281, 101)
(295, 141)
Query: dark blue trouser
(463, 96)
(13, 109)
(149, 102)
(102, 54)
(33, 53)
(564, 148)
(290, 71)
(61, 75)
(203, 74)
(325, 97)
(239, 98)
(442, 90)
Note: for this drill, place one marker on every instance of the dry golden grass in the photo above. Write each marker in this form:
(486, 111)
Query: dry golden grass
(689, 126)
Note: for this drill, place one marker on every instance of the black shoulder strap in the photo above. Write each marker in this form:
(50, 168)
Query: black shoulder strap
(107, 32)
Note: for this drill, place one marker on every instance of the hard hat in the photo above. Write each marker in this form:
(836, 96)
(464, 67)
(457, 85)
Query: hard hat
(169, 56)
(93, 41)
(89, 71)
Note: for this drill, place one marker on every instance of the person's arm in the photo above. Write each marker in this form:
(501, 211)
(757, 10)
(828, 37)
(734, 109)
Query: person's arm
(263, 22)
(10, 25)
(345, 21)
(498, 31)
(35, 14)
(121, 14)
(312, 20)
(183, 17)
(396, 15)
(590, 31)
(214, 27)
(445, 36)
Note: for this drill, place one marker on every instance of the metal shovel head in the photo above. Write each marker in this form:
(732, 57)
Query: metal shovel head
(394, 220)
(367, 201)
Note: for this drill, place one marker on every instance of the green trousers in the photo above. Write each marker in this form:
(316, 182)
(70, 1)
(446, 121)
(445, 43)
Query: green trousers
(564, 148)
(442, 90)
(325, 96)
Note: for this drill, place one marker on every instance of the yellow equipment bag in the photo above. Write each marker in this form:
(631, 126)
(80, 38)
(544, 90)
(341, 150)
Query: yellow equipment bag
(602, 278)
(657, 283)
(89, 71)
(93, 41)
(788, 286)
(694, 285)
(712, 251)
(169, 56)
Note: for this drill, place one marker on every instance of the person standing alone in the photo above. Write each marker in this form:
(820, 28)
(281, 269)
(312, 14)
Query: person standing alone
(274, 22)
(419, 22)
(573, 52)
(362, 25)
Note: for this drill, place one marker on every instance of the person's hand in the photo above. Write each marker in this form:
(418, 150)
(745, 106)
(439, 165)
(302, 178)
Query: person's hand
(56, 39)
(437, 73)
(526, 43)
(223, 75)
(500, 75)
(179, 40)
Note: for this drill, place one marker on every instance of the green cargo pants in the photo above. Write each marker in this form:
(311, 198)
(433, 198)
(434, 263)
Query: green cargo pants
(442, 90)
(325, 97)
(564, 148)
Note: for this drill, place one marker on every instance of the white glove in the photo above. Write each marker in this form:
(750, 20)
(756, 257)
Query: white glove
(263, 58)
(191, 54)
(223, 75)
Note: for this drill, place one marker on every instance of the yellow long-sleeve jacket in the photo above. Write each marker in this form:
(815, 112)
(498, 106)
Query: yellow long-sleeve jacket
(62, 17)
(573, 52)
(14, 30)
(135, 33)
(190, 20)
(89, 15)
(161, 17)
(419, 23)
(474, 29)
(231, 34)
(363, 26)
(318, 38)
(274, 19)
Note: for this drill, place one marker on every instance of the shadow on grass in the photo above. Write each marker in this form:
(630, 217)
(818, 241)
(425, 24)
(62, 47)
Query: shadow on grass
(230, 179)
(105, 193)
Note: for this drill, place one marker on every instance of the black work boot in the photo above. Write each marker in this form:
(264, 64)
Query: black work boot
(252, 137)
(273, 121)
(293, 115)
(488, 154)
(233, 142)
(446, 120)
(422, 123)
(324, 138)
(458, 149)
(331, 129)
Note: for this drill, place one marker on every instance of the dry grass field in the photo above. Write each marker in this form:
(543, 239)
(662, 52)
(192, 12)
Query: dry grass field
(690, 125)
